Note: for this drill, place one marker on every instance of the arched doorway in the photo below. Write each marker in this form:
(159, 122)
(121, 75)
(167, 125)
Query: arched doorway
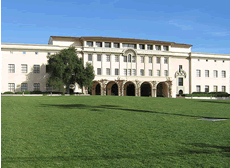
(129, 89)
(96, 88)
(112, 89)
(162, 90)
(146, 89)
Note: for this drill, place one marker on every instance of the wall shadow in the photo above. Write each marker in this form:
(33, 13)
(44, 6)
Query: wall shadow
(219, 102)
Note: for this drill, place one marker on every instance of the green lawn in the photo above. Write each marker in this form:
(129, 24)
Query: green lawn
(107, 131)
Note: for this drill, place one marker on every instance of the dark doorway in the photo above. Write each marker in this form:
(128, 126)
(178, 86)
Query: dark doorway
(160, 90)
(180, 92)
(98, 89)
(145, 89)
(130, 91)
(71, 91)
(114, 90)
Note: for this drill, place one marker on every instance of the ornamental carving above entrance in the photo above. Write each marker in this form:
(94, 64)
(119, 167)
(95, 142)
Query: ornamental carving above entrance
(130, 51)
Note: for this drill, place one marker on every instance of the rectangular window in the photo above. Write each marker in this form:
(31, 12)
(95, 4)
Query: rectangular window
(215, 74)
(198, 73)
(24, 87)
(165, 60)
(129, 58)
(180, 68)
(116, 45)
(142, 72)
(11, 68)
(36, 86)
(223, 88)
(133, 59)
(98, 71)
(166, 73)
(198, 88)
(142, 46)
(150, 72)
(158, 47)
(48, 53)
(150, 59)
(116, 58)
(158, 60)
(89, 57)
(206, 88)
(125, 72)
(107, 58)
(107, 44)
(215, 88)
(11, 87)
(36, 53)
(180, 82)
(134, 72)
(24, 68)
(142, 59)
(99, 44)
(129, 45)
(129, 72)
(125, 58)
(36, 68)
(98, 57)
(223, 74)
(107, 71)
(90, 43)
(207, 73)
(49, 87)
(150, 47)
(116, 72)
(158, 73)
(166, 48)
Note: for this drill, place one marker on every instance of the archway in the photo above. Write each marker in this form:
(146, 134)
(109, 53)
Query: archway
(180, 92)
(162, 90)
(96, 88)
(112, 89)
(129, 89)
(146, 89)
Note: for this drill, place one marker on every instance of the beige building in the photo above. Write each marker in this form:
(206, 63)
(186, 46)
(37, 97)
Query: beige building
(122, 66)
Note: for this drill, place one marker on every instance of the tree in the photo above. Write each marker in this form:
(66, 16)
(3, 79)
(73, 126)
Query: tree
(65, 68)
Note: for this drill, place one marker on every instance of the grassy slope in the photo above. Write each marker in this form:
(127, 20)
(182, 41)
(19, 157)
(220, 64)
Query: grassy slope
(111, 131)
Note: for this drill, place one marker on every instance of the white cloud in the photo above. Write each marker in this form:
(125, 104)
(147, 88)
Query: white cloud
(220, 34)
(182, 26)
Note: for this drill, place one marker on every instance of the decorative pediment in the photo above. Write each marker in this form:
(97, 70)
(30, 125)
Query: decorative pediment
(181, 72)
(128, 51)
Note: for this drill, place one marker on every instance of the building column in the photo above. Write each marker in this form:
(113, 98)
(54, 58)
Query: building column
(112, 59)
(102, 64)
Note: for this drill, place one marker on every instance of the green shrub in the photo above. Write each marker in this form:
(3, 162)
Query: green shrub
(36, 92)
(8, 93)
(18, 92)
(26, 92)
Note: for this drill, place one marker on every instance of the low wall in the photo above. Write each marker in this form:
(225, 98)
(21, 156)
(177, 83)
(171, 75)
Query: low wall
(22, 95)
(213, 98)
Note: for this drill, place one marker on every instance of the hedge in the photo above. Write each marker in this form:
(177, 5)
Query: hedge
(8, 93)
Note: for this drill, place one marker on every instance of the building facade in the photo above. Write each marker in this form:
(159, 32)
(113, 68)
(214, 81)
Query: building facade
(122, 66)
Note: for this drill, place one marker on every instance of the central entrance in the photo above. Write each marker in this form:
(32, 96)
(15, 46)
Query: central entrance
(129, 89)
(112, 89)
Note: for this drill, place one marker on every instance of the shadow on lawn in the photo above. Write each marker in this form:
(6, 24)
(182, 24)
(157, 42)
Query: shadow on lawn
(113, 107)
(215, 102)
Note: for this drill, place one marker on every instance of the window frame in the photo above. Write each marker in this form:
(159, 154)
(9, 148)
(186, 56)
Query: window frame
(98, 44)
(90, 57)
(24, 69)
(36, 69)
(36, 87)
(98, 71)
(142, 72)
(99, 57)
(206, 73)
(180, 81)
(10, 86)
(24, 87)
(11, 68)
(89, 42)
(107, 71)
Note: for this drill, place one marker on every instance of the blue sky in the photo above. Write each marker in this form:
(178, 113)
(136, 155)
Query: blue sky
(204, 24)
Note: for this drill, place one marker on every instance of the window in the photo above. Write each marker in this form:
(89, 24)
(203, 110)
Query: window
(11, 68)
(198, 73)
(129, 72)
(133, 59)
(24, 52)
(150, 47)
(134, 72)
(99, 44)
(207, 73)
(198, 88)
(206, 88)
(48, 53)
(125, 72)
(206, 60)
(98, 71)
(36, 86)
(180, 68)
(107, 58)
(198, 60)
(98, 57)
(142, 46)
(125, 58)
(107, 71)
(90, 43)
(89, 57)
(215, 88)
(142, 59)
(165, 60)
(11, 87)
(215, 74)
(116, 58)
(107, 44)
(142, 72)
(116, 45)
(158, 60)
(214, 60)
(223, 61)
(158, 47)
(36, 68)
(129, 45)
(166, 73)
(49, 87)
(223, 88)
(36, 53)
(129, 58)
(158, 73)
(166, 48)
(116, 72)
(150, 72)
(23, 87)
(223, 74)
(150, 59)
(11, 52)
(180, 82)
(24, 68)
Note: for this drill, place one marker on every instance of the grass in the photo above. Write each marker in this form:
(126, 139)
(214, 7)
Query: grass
(107, 131)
